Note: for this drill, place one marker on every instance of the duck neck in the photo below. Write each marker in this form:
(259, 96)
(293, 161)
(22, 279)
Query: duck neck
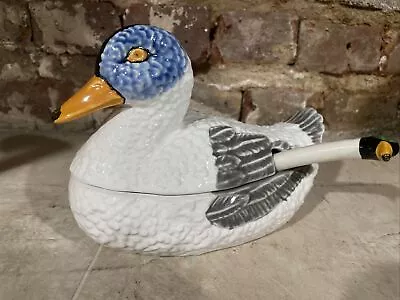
(165, 112)
(143, 126)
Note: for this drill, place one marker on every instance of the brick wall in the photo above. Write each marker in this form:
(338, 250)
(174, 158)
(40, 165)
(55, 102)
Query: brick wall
(257, 61)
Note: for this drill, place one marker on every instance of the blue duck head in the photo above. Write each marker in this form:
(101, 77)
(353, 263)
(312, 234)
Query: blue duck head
(137, 63)
(141, 61)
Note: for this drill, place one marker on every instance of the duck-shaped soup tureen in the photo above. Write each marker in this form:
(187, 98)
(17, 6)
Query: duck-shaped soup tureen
(154, 180)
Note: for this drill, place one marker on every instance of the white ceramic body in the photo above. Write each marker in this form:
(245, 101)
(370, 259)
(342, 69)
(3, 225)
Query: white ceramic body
(168, 225)
(145, 180)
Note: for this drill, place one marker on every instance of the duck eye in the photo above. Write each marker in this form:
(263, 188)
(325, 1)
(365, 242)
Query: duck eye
(136, 55)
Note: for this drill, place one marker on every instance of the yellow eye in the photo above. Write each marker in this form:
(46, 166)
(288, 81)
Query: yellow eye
(137, 55)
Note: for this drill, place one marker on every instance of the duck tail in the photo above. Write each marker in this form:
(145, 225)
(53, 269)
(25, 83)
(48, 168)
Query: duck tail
(311, 122)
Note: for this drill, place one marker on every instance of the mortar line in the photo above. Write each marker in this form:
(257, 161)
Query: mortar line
(85, 276)
(30, 20)
(296, 56)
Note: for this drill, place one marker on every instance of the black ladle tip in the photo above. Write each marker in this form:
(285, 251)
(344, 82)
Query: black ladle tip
(395, 147)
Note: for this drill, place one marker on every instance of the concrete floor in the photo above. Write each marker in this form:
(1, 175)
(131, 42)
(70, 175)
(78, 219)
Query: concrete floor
(342, 244)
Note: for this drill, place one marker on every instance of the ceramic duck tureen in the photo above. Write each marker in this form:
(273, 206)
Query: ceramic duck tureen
(156, 181)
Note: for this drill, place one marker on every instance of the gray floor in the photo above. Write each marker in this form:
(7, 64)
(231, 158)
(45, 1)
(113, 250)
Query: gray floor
(343, 243)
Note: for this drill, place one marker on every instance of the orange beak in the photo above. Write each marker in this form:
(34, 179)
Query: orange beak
(96, 94)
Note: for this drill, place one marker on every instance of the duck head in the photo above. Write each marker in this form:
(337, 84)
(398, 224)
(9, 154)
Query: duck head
(136, 65)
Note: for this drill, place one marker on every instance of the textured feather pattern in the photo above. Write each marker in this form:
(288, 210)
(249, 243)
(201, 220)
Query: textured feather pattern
(311, 122)
(147, 149)
(165, 65)
(242, 157)
(168, 225)
(254, 200)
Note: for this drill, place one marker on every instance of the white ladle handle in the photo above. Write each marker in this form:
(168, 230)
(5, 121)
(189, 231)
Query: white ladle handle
(360, 148)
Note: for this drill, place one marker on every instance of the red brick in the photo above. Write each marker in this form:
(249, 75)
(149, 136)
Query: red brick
(390, 62)
(75, 68)
(32, 83)
(243, 36)
(364, 109)
(190, 24)
(16, 64)
(73, 26)
(33, 97)
(272, 105)
(225, 101)
(14, 22)
(337, 48)
(393, 62)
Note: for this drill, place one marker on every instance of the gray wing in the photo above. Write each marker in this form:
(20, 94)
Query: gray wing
(242, 157)
(311, 122)
(254, 200)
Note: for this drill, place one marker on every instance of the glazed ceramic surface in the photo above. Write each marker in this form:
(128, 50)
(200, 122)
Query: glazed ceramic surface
(153, 149)
(169, 225)
(158, 180)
